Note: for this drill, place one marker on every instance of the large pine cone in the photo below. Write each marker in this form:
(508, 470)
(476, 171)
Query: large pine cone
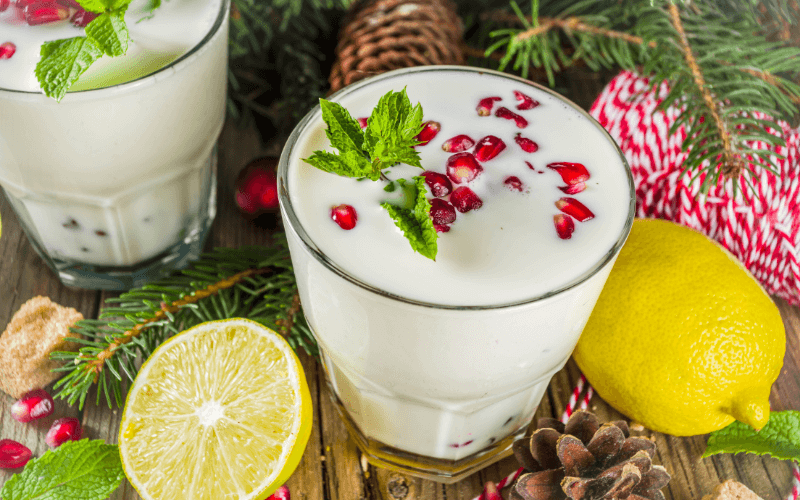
(584, 460)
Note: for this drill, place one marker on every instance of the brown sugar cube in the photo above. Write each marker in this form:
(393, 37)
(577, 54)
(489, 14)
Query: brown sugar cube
(732, 490)
(36, 330)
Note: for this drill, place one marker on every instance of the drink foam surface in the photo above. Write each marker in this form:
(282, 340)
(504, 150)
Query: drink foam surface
(507, 251)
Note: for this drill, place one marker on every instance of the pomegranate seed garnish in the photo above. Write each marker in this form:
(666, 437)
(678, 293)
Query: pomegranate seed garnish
(13, 455)
(460, 445)
(4, 4)
(458, 144)
(510, 115)
(45, 12)
(281, 493)
(362, 122)
(82, 18)
(489, 147)
(439, 183)
(63, 430)
(525, 102)
(564, 226)
(464, 199)
(463, 167)
(440, 228)
(345, 216)
(32, 405)
(490, 492)
(573, 188)
(514, 183)
(526, 144)
(7, 50)
(571, 173)
(576, 209)
(257, 187)
(442, 212)
(485, 105)
(428, 132)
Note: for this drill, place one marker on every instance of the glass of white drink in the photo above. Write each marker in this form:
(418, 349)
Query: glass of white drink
(115, 184)
(437, 366)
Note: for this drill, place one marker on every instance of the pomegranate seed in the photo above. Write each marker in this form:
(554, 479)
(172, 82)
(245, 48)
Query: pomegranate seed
(490, 492)
(82, 18)
(362, 122)
(63, 430)
(526, 144)
(463, 167)
(571, 173)
(428, 132)
(4, 5)
(442, 212)
(7, 50)
(576, 209)
(573, 188)
(281, 493)
(439, 183)
(485, 105)
(13, 454)
(345, 216)
(464, 199)
(510, 115)
(45, 12)
(440, 228)
(32, 405)
(489, 147)
(257, 187)
(564, 226)
(460, 445)
(524, 101)
(514, 183)
(458, 144)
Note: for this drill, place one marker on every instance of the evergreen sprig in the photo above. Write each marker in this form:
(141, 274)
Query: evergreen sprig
(253, 282)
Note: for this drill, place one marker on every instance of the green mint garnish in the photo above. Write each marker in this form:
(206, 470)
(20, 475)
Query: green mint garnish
(80, 470)
(389, 139)
(779, 438)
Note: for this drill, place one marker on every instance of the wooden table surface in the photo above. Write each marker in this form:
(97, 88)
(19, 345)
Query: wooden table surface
(332, 468)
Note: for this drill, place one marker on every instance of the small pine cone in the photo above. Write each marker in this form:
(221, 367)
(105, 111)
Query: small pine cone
(584, 460)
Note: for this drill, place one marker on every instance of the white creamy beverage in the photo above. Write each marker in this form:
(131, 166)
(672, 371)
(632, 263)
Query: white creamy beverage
(445, 360)
(121, 170)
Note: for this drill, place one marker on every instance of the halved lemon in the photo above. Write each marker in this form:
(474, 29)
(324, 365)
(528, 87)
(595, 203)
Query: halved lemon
(220, 411)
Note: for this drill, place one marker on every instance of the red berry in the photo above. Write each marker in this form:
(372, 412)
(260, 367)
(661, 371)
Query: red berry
(440, 228)
(458, 144)
(564, 226)
(281, 493)
(525, 102)
(571, 173)
(463, 167)
(4, 4)
(45, 12)
(510, 115)
(362, 122)
(345, 216)
(257, 187)
(63, 430)
(490, 492)
(464, 199)
(32, 405)
(485, 105)
(439, 184)
(428, 132)
(526, 144)
(442, 212)
(13, 454)
(81, 18)
(576, 209)
(514, 183)
(7, 50)
(489, 147)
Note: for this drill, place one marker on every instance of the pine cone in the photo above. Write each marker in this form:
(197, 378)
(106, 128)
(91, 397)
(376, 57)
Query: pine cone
(584, 460)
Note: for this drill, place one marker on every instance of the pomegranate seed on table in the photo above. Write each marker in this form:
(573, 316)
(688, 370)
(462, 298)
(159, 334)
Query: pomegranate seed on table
(489, 147)
(7, 50)
(514, 183)
(439, 184)
(63, 430)
(32, 405)
(428, 132)
(510, 115)
(571, 173)
(574, 208)
(524, 101)
(282, 493)
(463, 167)
(82, 18)
(527, 145)
(564, 226)
(345, 216)
(13, 455)
(464, 199)
(458, 144)
(573, 188)
(45, 12)
(442, 212)
(485, 105)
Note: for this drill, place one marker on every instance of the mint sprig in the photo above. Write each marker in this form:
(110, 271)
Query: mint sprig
(79, 470)
(415, 221)
(780, 438)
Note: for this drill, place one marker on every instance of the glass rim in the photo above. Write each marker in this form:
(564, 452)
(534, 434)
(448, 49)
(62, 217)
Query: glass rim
(294, 225)
(212, 32)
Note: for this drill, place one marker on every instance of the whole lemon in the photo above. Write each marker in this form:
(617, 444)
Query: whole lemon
(683, 339)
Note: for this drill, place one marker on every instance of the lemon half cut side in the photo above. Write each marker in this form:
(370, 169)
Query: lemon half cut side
(220, 411)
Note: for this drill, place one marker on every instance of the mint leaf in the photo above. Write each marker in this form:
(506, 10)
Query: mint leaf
(415, 222)
(392, 129)
(343, 130)
(349, 164)
(780, 438)
(85, 470)
(103, 5)
(63, 62)
(110, 33)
